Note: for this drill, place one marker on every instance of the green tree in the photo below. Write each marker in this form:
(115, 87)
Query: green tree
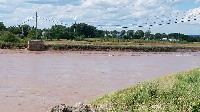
(130, 34)
(123, 34)
(24, 29)
(31, 34)
(99, 33)
(114, 34)
(158, 36)
(147, 34)
(151, 37)
(2, 26)
(60, 32)
(139, 34)
(14, 30)
(9, 37)
(81, 29)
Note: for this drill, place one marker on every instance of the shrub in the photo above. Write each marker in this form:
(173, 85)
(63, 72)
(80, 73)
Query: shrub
(6, 45)
(196, 107)
(116, 48)
(173, 93)
(9, 37)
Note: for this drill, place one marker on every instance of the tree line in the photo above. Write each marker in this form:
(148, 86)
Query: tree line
(80, 31)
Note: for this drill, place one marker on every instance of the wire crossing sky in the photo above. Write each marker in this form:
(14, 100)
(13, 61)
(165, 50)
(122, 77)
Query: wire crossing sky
(162, 16)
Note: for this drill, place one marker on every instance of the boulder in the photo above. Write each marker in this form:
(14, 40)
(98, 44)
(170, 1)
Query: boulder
(79, 107)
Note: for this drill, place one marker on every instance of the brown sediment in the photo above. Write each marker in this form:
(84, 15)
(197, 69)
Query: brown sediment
(37, 81)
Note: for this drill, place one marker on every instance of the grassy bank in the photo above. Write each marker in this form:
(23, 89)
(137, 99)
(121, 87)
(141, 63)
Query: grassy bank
(104, 46)
(124, 42)
(127, 48)
(174, 93)
(10, 45)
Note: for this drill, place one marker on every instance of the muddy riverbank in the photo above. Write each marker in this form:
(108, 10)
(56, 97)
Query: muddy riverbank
(37, 81)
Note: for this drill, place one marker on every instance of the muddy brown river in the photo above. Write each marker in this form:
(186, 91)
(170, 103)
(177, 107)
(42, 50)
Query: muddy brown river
(35, 81)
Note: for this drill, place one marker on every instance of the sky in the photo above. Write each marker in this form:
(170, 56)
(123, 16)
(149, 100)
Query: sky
(158, 16)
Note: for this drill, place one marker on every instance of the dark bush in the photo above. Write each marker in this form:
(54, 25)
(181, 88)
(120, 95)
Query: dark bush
(116, 48)
(196, 107)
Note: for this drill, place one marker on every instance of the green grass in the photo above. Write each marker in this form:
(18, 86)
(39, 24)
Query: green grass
(11, 45)
(73, 47)
(174, 93)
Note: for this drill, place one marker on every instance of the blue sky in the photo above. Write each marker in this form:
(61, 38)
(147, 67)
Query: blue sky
(163, 16)
(187, 5)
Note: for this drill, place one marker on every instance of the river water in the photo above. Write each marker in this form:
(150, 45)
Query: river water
(34, 82)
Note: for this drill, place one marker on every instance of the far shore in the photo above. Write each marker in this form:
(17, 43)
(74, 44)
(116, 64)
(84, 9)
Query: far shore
(110, 53)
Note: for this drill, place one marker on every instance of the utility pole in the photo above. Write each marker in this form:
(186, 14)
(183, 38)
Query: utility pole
(22, 30)
(36, 25)
(75, 30)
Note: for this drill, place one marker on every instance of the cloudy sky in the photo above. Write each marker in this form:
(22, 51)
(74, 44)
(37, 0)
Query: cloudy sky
(163, 16)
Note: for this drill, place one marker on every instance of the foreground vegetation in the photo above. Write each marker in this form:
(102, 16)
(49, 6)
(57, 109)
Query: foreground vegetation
(173, 93)
(128, 48)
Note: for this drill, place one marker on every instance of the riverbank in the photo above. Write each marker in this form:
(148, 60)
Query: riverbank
(178, 92)
(87, 52)
(104, 46)
(126, 48)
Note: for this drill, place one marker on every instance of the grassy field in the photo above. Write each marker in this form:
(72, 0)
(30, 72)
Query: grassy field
(135, 42)
(113, 44)
(174, 93)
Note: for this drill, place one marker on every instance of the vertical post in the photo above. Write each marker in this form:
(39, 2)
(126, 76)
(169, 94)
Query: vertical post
(22, 30)
(36, 25)
(75, 32)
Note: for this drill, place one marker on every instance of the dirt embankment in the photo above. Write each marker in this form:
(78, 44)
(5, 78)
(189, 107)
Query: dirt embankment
(67, 47)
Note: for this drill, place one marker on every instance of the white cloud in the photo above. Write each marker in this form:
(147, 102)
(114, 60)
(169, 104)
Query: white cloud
(193, 16)
(95, 12)
(197, 1)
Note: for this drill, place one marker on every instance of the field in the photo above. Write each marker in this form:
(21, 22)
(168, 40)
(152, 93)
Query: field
(111, 44)
(173, 93)
(122, 45)
(98, 41)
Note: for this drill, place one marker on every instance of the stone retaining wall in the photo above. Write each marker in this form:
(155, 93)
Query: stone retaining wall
(35, 45)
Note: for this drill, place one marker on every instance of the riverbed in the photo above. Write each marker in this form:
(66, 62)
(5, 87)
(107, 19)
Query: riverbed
(37, 81)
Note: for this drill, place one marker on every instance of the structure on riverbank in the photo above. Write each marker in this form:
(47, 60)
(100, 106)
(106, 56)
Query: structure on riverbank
(35, 45)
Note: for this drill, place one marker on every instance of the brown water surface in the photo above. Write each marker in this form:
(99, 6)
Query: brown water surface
(34, 82)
